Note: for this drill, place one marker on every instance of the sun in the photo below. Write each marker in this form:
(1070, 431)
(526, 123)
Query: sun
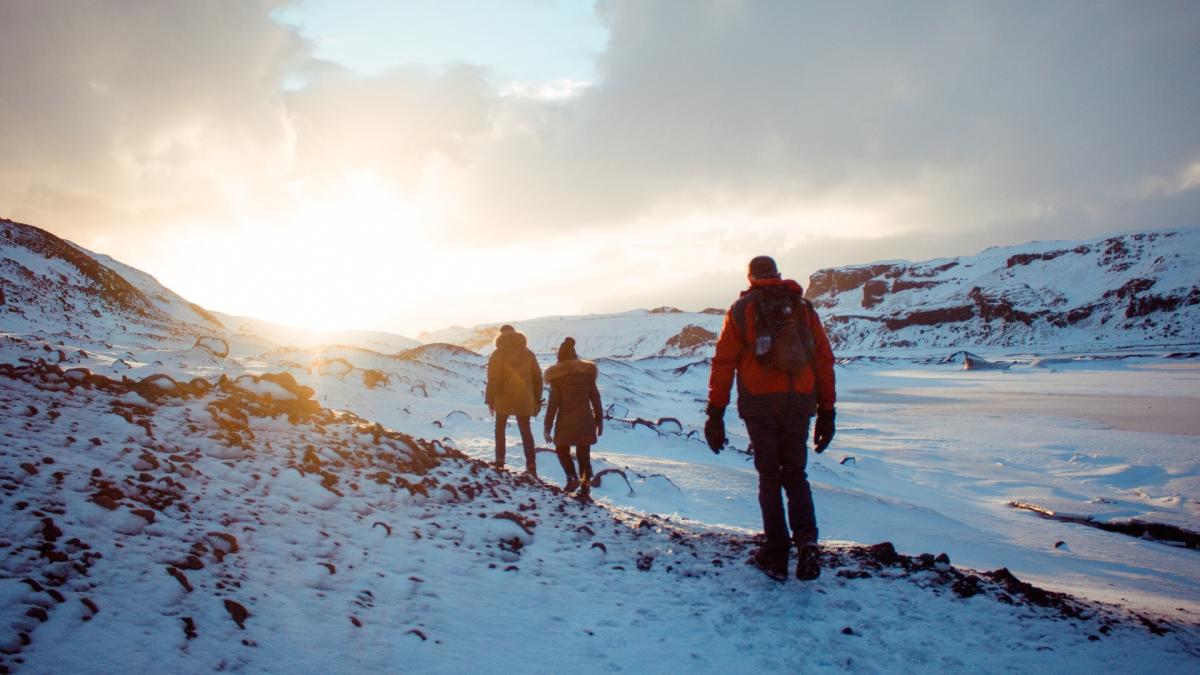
(337, 257)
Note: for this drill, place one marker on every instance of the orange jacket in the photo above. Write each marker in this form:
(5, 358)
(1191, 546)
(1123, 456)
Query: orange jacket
(762, 391)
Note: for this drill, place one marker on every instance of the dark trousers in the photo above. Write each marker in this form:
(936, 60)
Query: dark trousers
(781, 457)
(526, 440)
(583, 453)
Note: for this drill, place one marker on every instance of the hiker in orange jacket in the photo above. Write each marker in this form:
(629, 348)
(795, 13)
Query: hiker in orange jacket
(773, 340)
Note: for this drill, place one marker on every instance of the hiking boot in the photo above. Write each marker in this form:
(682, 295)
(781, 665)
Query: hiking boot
(808, 567)
(572, 484)
(774, 566)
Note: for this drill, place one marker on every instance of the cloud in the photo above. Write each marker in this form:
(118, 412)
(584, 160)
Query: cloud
(825, 133)
(392, 124)
(144, 109)
(984, 113)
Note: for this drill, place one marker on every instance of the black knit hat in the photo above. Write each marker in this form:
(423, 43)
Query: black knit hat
(566, 351)
(763, 267)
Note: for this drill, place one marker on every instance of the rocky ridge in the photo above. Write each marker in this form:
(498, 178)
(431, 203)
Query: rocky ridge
(1116, 291)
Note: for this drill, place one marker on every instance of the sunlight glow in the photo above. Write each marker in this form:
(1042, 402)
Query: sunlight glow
(338, 258)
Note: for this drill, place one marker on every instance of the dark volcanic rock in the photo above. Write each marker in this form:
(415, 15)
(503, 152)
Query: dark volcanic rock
(830, 282)
(690, 338)
(932, 317)
(238, 612)
(873, 291)
(213, 345)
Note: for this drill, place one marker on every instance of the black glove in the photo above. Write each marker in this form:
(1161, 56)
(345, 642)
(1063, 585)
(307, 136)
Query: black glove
(823, 431)
(714, 427)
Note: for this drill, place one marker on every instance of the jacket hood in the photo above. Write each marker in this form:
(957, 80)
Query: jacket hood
(571, 367)
(791, 284)
(513, 340)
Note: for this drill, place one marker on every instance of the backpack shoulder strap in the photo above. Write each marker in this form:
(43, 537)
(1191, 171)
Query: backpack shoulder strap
(738, 311)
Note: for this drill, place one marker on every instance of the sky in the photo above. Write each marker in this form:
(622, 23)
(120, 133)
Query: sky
(407, 166)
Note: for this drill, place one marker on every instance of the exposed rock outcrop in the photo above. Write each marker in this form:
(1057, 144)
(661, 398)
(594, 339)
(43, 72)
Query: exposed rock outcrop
(689, 340)
(213, 345)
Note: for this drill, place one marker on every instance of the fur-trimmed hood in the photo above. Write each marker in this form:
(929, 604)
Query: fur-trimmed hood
(572, 367)
(513, 340)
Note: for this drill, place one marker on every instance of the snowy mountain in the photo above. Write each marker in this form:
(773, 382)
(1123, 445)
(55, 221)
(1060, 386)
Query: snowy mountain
(1126, 290)
(640, 333)
(181, 495)
(379, 341)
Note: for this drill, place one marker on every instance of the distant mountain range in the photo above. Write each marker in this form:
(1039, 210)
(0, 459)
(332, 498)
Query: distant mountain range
(1127, 290)
(640, 333)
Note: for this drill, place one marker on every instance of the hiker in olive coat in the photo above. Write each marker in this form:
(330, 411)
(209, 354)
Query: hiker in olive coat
(575, 406)
(514, 387)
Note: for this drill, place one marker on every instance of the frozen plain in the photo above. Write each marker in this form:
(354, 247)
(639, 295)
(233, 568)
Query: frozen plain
(931, 457)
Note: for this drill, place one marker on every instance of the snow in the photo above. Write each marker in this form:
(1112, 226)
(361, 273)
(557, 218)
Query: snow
(301, 338)
(354, 548)
(260, 387)
(327, 588)
(629, 335)
(165, 299)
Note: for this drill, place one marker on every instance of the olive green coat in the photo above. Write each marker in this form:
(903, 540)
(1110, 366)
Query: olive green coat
(514, 384)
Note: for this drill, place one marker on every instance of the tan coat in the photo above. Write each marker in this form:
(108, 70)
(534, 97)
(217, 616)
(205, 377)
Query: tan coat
(514, 384)
(574, 402)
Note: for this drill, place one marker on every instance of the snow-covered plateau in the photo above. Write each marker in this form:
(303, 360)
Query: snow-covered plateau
(1126, 290)
(186, 492)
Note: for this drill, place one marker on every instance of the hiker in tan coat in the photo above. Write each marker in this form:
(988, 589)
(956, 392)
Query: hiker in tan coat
(574, 415)
(514, 387)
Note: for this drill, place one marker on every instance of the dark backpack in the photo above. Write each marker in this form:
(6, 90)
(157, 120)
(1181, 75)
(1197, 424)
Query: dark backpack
(783, 340)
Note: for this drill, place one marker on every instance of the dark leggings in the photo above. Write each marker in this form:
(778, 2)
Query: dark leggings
(526, 440)
(583, 452)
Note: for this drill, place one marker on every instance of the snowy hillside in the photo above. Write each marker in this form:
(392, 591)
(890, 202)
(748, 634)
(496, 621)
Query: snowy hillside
(379, 341)
(170, 302)
(50, 283)
(636, 334)
(1120, 291)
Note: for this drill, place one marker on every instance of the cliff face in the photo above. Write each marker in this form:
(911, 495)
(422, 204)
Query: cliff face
(1114, 291)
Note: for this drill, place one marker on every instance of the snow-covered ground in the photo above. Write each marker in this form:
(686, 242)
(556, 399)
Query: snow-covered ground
(928, 456)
